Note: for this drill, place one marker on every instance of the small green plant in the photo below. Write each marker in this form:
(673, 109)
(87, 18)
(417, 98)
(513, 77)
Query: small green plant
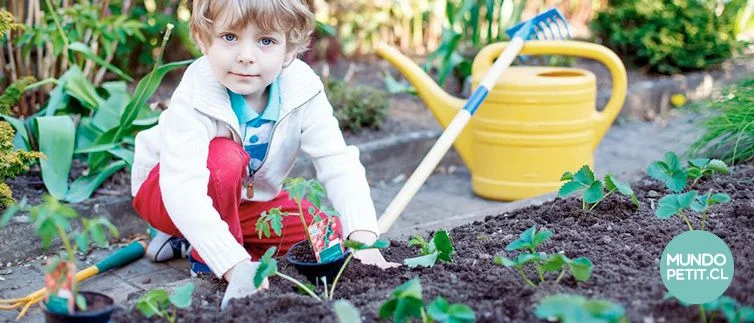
(52, 220)
(355, 246)
(670, 36)
(581, 267)
(673, 204)
(575, 308)
(357, 107)
(440, 247)
(729, 128)
(593, 190)
(406, 302)
(299, 189)
(12, 161)
(346, 312)
(671, 172)
(731, 309)
(158, 302)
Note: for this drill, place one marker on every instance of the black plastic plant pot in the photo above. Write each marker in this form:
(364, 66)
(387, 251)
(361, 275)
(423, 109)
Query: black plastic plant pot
(313, 270)
(100, 309)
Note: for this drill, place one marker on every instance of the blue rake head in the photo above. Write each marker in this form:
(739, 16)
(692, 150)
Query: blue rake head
(548, 25)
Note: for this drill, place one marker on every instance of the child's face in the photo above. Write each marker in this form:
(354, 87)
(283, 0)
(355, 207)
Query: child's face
(246, 61)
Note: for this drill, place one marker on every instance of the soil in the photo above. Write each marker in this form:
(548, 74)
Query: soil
(623, 242)
(302, 254)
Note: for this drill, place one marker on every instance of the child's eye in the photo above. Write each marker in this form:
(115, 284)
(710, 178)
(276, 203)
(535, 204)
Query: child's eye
(229, 37)
(267, 41)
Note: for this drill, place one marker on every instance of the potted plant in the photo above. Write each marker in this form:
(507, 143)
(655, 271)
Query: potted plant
(63, 302)
(323, 251)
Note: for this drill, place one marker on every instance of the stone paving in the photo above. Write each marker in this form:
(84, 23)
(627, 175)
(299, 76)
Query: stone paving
(626, 150)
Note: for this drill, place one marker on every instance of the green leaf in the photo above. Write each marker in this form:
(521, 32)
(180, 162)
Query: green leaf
(719, 198)
(21, 138)
(700, 162)
(517, 244)
(407, 308)
(152, 303)
(503, 261)
(346, 312)
(83, 187)
(58, 97)
(181, 297)
(659, 171)
(718, 166)
(555, 262)
(267, 267)
(569, 188)
(584, 176)
(124, 154)
(98, 234)
(81, 302)
(56, 140)
(678, 181)
(594, 193)
(388, 308)
(108, 112)
(79, 87)
(87, 52)
(95, 148)
(443, 245)
(82, 241)
(525, 258)
(612, 183)
(438, 309)
(567, 176)
(581, 268)
(540, 237)
(424, 261)
(685, 199)
(355, 245)
(11, 211)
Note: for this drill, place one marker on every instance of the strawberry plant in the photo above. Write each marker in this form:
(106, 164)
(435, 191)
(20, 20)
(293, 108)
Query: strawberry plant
(592, 189)
(529, 240)
(671, 172)
(575, 308)
(729, 307)
(440, 247)
(158, 302)
(698, 168)
(406, 302)
(673, 204)
(346, 312)
(299, 189)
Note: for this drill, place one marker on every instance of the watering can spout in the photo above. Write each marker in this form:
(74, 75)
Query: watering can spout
(443, 105)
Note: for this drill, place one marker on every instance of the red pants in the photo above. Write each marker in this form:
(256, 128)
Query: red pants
(227, 166)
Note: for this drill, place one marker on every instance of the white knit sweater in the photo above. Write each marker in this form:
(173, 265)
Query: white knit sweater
(200, 110)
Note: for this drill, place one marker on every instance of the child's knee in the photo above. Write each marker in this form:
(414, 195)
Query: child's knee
(227, 161)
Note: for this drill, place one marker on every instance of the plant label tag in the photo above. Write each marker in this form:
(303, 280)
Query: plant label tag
(326, 240)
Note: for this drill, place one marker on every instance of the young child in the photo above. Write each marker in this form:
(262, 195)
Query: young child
(235, 123)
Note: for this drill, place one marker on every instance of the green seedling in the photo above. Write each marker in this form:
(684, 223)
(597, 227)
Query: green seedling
(731, 309)
(346, 312)
(593, 190)
(581, 267)
(268, 267)
(440, 247)
(442, 311)
(299, 189)
(698, 168)
(158, 302)
(575, 308)
(670, 171)
(406, 302)
(673, 204)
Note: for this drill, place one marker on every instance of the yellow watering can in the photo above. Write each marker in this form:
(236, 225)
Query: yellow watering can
(536, 123)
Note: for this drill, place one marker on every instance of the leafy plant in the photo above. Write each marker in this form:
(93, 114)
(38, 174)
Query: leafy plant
(406, 302)
(575, 308)
(673, 204)
(104, 132)
(698, 168)
(357, 107)
(729, 128)
(12, 161)
(593, 191)
(529, 240)
(52, 220)
(670, 36)
(675, 175)
(346, 312)
(268, 267)
(731, 309)
(299, 189)
(440, 247)
(158, 302)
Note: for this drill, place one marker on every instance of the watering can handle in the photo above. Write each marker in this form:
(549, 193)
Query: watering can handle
(603, 119)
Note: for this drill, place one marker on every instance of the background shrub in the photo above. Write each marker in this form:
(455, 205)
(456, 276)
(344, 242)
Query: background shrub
(357, 107)
(12, 161)
(670, 36)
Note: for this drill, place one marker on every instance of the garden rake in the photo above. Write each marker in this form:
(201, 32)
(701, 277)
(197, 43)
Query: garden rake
(122, 257)
(549, 25)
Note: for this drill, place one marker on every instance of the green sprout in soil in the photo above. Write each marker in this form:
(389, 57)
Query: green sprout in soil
(580, 268)
(346, 312)
(268, 267)
(671, 172)
(406, 302)
(299, 189)
(440, 247)
(593, 190)
(673, 204)
(575, 308)
(729, 307)
(158, 302)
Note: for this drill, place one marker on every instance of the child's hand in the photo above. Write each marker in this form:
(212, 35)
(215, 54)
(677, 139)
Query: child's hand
(241, 282)
(374, 257)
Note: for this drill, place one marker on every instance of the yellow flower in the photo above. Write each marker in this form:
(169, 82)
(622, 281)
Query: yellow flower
(678, 100)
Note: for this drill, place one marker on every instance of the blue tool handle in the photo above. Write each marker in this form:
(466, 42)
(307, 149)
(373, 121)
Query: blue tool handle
(124, 256)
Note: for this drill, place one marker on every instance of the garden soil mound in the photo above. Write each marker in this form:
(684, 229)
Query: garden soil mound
(624, 244)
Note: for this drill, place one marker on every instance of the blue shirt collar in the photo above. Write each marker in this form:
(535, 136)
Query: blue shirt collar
(245, 113)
